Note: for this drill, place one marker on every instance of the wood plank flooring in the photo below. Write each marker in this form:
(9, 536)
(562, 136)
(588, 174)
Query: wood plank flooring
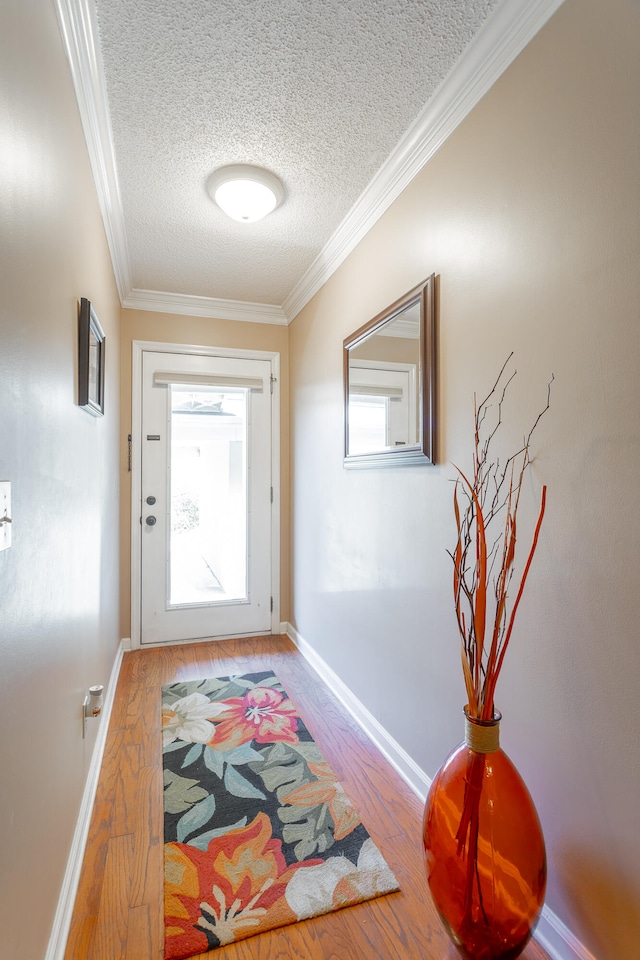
(118, 910)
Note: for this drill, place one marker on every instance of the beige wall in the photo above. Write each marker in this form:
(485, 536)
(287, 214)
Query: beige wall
(530, 215)
(59, 580)
(199, 331)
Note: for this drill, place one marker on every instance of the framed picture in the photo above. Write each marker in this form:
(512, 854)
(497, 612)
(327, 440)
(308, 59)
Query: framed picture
(90, 361)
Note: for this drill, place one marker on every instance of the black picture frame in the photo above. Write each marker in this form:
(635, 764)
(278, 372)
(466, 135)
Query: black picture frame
(90, 360)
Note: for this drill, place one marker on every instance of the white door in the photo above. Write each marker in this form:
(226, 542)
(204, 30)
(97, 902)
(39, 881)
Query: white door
(206, 497)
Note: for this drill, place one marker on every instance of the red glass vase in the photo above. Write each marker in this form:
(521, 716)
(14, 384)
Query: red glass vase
(484, 850)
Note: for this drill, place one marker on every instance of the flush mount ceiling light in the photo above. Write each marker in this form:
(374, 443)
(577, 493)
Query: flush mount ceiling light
(245, 192)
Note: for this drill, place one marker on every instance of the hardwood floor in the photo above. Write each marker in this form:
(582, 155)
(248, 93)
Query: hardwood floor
(118, 910)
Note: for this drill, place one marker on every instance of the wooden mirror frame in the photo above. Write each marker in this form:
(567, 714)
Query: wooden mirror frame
(424, 450)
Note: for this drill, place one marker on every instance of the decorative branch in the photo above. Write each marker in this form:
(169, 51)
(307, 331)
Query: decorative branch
(483, 559)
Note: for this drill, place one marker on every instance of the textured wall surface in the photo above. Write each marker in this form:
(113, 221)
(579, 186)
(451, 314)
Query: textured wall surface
(530, 216)
(59, 580)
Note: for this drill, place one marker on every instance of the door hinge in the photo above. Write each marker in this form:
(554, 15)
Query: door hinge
(271, 604)
(129, 453)
(271, 494)
(272, 380)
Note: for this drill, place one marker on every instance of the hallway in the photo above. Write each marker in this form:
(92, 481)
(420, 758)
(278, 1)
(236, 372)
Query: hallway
(118, 911)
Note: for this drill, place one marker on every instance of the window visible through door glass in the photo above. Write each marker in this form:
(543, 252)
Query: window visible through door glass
(208, 495)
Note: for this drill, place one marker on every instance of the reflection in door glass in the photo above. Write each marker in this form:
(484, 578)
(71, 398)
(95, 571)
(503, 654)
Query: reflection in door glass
(208, 502)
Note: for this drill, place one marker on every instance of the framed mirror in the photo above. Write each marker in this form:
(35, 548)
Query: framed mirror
(390, 383)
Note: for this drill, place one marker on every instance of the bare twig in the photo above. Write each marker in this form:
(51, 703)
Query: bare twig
(486, 506)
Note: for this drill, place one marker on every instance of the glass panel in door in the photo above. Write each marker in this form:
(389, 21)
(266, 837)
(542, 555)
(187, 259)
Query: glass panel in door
(208, 503)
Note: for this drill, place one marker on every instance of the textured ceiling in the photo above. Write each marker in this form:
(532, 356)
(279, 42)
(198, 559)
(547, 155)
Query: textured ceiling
(318, 91)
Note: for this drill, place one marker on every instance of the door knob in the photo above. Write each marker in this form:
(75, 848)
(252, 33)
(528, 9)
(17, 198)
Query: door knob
(150, 521)
(151, 501)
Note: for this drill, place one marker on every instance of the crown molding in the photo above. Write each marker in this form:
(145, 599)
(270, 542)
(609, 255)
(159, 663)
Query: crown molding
(160, 302)
(80, 34)
(504, 35)
(404, 329)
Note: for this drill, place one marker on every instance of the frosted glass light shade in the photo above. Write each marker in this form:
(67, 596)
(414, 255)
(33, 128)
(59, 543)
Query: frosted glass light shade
(245, 193)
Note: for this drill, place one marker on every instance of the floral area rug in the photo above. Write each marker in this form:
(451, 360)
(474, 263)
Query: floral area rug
(258, 832)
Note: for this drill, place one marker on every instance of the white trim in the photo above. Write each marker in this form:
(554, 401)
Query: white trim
(136, 489)
(159, 302)
(399, 759)
(556, 938)
(80, 33)
(69, 889)
(137, 349)
(218, 639)
(504, 35)
(551, 932)
(275, 483)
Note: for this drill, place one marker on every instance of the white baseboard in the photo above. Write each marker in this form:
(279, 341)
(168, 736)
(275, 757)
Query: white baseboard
(559, 942)
(551, 932)
(408, 769)
(66, 900)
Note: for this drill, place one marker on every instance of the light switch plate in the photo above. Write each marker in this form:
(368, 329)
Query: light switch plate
(5, 514)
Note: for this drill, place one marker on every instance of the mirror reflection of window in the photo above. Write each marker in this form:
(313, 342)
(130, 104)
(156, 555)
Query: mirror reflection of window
(383, 369)
(368, 423)
(391, 388)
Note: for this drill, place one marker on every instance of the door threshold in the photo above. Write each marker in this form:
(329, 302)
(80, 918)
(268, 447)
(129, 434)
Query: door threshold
(229, 636)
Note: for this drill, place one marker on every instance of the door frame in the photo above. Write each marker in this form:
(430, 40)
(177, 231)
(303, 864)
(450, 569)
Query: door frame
(138, 348)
